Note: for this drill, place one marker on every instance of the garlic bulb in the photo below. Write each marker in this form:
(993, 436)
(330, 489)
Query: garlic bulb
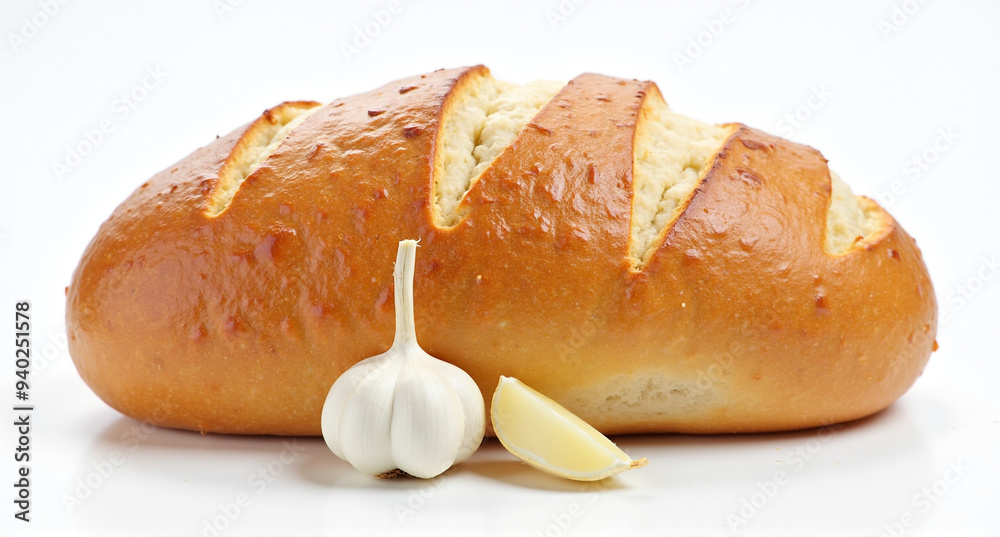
(404, 409)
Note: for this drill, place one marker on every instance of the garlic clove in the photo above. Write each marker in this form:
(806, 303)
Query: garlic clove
(546, 435)
(427, 420)
(365, 372)
(365, 436)
(471, 402)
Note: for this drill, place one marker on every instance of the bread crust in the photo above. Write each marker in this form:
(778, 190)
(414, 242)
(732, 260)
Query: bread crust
(240, 322)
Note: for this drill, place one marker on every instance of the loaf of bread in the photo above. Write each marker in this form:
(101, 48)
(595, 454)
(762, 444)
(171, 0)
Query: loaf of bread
(650, 272)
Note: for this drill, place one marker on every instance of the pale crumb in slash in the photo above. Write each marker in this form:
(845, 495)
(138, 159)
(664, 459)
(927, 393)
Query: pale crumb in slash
(671, 154)
(846, 220)
(485, 117)
(262, 139)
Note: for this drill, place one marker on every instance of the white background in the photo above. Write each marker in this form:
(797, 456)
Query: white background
(884, 95)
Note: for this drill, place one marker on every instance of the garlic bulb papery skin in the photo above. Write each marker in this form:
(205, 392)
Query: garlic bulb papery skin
(404, 409)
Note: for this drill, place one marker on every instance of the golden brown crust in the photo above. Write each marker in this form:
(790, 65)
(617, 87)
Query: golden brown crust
(241, 322)
(820, 338)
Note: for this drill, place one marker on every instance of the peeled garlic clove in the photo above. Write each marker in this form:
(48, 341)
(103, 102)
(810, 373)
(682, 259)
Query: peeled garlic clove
(546, 435)
(404, 409)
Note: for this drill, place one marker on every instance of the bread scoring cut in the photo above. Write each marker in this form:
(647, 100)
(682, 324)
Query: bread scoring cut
(259, 141)
(847, 222)
(672, 153)
(483, 117)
